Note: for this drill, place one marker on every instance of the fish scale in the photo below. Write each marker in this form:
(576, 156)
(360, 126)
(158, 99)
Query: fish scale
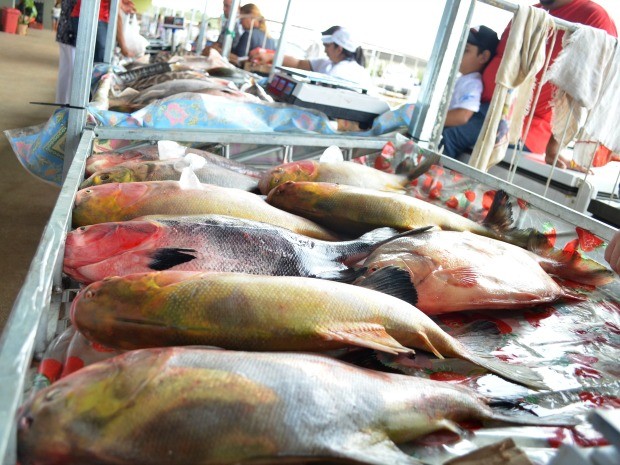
(252, 312)
(125, 201)
(209, 243)
(194, 406)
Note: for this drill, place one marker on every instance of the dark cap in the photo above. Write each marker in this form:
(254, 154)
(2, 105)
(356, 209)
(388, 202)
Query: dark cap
(484, 38)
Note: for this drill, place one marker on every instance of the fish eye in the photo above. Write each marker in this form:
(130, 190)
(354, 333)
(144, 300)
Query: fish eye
(82, 228)
(88, 191)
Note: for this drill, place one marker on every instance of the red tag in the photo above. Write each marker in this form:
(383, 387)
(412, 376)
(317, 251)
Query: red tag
(73, 364)
(51, 369)
(587, 240)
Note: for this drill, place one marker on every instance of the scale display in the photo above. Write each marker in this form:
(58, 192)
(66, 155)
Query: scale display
(337, 98)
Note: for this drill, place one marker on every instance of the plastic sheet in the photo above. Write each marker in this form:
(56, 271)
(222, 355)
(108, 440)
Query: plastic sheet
(40, 149)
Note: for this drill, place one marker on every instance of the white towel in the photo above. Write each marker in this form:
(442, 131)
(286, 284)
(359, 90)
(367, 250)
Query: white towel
(523, 58)
(587, 77)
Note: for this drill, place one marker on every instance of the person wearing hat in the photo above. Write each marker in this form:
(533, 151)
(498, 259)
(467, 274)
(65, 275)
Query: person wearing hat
(458, 135)
(345, 58)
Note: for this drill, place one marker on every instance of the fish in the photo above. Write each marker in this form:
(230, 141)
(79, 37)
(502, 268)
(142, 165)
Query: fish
(126, 201)
(454, 271)
(104, 160)
(268, 313)
(210, 243)
(203, 406)
(349, 173)
(170, 169)
(355, 210)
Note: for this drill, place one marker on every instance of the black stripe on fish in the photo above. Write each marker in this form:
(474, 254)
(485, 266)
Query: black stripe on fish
(394, 281)
(168, 257)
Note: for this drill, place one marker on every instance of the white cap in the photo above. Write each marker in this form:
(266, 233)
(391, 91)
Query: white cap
(341, 37)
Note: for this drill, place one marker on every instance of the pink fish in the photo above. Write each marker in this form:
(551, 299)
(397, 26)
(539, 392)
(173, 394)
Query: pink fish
(453, 271)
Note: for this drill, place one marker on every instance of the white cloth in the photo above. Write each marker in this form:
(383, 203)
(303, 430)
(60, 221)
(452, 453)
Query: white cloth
(347, 69)
(467, 92)
(523, 58)
(65, 73)
(586, 74)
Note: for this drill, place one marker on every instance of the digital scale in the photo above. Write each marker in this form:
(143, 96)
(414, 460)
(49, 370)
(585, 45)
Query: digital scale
(337, 98)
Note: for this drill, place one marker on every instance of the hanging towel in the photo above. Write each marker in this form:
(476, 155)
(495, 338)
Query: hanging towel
(586, 74)
(523, 58)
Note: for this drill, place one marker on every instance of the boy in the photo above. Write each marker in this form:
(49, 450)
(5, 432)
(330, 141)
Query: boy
(461, 127)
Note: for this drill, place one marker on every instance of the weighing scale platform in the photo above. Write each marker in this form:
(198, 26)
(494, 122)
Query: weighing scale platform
(337, 98)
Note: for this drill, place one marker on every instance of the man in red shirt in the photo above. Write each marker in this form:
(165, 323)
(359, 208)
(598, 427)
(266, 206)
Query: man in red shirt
(539, 138)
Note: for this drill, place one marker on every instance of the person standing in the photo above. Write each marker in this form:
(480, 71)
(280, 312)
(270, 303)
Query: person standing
(539, 138)
(56, 15)
(458, 134)
(345, 58)
(126, 6)
(65, 36)
(254, 31)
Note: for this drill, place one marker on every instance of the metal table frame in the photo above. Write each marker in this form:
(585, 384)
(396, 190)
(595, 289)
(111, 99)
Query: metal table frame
(34, 316)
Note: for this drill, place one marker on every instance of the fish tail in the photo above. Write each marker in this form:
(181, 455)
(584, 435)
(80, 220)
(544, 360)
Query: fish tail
(512, 407)
(412, 171)
(529, 239)
(575, 267)
(499, 219)
(517, 373)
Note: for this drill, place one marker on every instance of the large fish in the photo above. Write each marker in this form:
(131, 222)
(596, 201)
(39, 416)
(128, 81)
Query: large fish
(349, 173)
(198, 406)
(355, 210)
(126, 201)
(170, 170)
(101, 161)
(209, 243)
(453, 271)
(251, 312)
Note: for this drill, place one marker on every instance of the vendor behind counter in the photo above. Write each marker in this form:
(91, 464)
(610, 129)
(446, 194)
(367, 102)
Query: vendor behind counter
(345, 58)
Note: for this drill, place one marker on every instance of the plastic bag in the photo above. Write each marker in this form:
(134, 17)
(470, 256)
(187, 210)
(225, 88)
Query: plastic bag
(136, 44)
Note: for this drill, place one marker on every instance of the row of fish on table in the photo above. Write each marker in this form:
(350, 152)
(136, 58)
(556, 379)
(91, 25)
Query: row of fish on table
(134, 89)
(231, 307)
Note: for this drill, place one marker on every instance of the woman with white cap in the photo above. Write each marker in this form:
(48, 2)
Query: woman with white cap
(345, 58)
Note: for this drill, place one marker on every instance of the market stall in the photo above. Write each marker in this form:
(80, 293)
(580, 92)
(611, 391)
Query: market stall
(572, 346)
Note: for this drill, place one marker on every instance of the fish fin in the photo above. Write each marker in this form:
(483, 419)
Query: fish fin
(404, 167)
(373, 447)
(372, 336)
(378, 237)
(499, 219)
(464, 276)
(429, 345)
(393, 281)
(573, 266)
(367, 358)
(479, 334)
(516, 373)
(168, 257)
(347, 275)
